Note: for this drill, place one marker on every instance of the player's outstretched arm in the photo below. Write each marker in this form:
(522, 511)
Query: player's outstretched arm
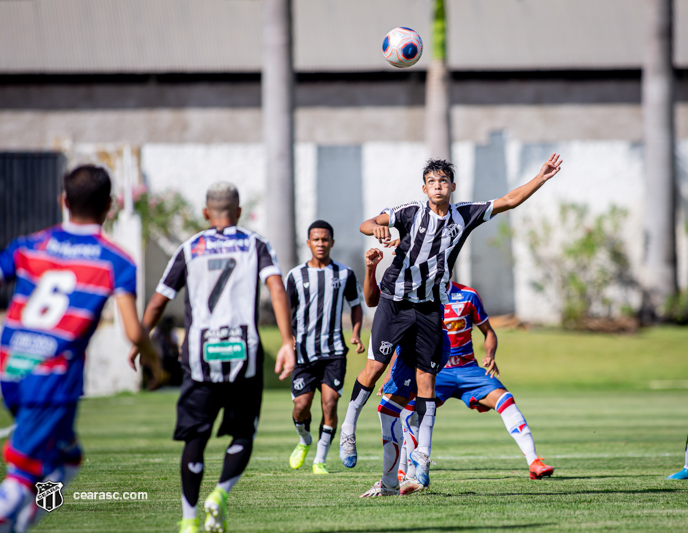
(521, 194)
(135, 332)
(371, 291)
(378, 227)
(285, 359)
(490, 349)
(357, 321)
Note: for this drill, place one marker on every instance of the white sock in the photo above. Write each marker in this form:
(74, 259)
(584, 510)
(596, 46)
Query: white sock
(303, 429)
(686, 463)
(14, 496)
(324, 443)
(359, 397)
(188, 510)
(516, 425)
(426, 422)
(392, 440)
(403, 458)
(409, 420)
(229, 484)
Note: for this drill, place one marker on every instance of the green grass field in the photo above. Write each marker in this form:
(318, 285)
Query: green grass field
(607, 412)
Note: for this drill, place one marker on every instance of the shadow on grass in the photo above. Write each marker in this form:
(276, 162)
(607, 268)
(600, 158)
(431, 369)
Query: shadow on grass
(548, 494)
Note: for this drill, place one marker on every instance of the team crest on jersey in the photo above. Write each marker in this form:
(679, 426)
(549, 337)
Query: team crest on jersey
(336, 283)
(49, 495)
(386, 348)
(452, 230)
(299, 384)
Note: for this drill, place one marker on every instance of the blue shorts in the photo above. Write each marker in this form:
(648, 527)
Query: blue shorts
(43, 440)
(402, 381)
(467, 383)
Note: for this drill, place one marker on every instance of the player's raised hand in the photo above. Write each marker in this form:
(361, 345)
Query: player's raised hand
(285, 361)
(551, 167)
(382, 234)
(355, 339)
(373, 257)
(490, 366)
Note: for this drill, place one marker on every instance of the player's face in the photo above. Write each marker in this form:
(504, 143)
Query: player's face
(320, 242)
(438, 187)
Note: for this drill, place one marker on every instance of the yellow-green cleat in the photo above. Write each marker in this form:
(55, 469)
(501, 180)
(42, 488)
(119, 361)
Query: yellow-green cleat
(320, 468)
(298, 456)
(188, 525)
(215, 507)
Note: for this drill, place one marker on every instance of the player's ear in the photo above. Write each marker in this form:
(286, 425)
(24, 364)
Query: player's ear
(453, 186)
(332, 245)
(206, 214)
(425, 188)
(238, 213)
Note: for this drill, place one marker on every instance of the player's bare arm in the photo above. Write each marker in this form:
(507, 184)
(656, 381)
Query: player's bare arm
(378, 227)
(371, 291)
(520, 194)
(151, 316)
(357, 321)
(126, 303)
(489, 362)
(286, 359)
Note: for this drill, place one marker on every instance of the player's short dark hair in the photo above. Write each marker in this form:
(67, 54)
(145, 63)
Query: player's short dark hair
(88, 189)
(439, 165)
(321, 224)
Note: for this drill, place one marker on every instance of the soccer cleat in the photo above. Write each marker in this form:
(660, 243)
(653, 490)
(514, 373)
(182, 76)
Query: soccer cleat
(380, 489)
(683, 474)
(411, 485)
(347, 450)
(422, 463)
(188, 525)
(320, 468)
(215, 507)
(298, 456)
(538, 469)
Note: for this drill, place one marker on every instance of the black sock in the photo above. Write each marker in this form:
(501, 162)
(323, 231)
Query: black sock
(192, 468)
(236, 460)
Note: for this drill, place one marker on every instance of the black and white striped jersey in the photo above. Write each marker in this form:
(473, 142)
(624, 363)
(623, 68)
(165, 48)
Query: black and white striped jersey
(221, 271)
(428, 248)
(317, 298)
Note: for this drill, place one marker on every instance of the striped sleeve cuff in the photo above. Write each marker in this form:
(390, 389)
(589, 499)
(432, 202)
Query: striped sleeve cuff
(166, 291)
(269, 271)
(488, 213)
(354, 303)
(389, 212)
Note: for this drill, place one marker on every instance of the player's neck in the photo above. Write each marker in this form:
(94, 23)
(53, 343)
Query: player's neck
(221, 223)
(319, 263)
(440, 209)
(84, 221)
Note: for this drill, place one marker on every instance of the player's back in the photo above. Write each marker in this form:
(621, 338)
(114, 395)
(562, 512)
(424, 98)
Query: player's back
(464, 310)
(64, 275)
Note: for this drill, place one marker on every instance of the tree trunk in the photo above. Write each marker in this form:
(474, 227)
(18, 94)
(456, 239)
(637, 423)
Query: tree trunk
(278, 129)
(658, 132)
(437, 101)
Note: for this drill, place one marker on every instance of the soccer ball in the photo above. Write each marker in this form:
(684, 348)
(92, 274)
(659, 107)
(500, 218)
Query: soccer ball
(402, 47)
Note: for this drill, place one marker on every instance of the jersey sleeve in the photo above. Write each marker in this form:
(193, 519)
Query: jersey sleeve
(352, 290)
(8, 268)
(174, 277)
(401, 217)
(267, 261)
(292, 293)
(475, 213)
(125, 277)
(478, 315)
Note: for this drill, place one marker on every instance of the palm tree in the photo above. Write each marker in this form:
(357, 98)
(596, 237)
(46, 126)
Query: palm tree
(437, 104)
(278, 128)
(658, 132)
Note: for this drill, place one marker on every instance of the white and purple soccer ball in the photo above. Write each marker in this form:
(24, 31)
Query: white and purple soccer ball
(402, 47)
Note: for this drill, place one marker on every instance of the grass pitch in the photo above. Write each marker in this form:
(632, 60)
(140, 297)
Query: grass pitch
(610, 436)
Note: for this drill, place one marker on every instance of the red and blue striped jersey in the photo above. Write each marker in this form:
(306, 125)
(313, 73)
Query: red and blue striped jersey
(64, 275)
(464, 310)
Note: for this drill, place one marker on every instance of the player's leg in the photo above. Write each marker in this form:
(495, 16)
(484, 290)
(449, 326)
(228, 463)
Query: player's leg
(196, 413)
(390, 324)
(331, 390)
(682, 474)
(503, 402)
(303, 385)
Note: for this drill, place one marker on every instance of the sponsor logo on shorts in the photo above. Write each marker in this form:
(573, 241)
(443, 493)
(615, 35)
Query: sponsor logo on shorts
(386, 348)
(49, 495)
(299, 384)
(433, 364)
(407, 383)
(337, 383)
